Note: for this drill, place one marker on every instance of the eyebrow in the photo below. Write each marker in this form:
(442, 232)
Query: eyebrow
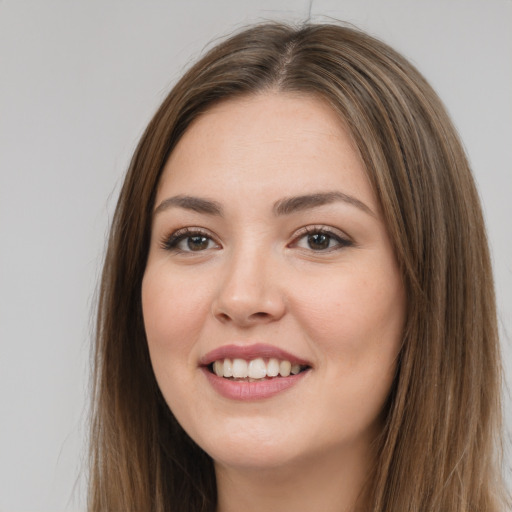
(196, 204)
(285, 206)
(294, 204)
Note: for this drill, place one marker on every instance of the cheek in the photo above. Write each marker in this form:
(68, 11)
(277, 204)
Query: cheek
(173, 311)
(356, 318)
(356, 325)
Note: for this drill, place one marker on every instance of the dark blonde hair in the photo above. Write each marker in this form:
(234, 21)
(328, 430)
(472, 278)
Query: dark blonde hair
(440, 445)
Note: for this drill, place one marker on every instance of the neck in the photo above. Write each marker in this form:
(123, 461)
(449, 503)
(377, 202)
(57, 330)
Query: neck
(331, 483)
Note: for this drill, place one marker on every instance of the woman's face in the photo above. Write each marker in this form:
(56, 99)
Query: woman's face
(269, 255)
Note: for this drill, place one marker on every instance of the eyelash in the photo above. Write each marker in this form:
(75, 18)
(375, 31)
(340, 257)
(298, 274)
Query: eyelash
(172, 242)
(307, 231)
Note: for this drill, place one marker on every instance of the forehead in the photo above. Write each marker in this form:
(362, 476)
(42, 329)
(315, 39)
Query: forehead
(270, 142)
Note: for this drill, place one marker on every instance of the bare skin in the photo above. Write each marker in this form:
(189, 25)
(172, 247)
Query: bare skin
(320, 485)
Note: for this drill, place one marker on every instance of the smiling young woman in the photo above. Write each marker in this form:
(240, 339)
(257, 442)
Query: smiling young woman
(289, 266)
(297, 310)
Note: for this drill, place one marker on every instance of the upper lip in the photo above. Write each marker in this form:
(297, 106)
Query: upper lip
(249, 352)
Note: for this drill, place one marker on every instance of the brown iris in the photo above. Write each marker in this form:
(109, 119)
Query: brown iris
(197, 243)
(319, 241)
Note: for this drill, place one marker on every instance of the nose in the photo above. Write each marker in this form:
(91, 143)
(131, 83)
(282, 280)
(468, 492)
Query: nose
(250, 293)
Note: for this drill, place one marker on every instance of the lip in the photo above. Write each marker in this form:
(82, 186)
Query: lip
(256, 390)
(250, 391)
(249, 352)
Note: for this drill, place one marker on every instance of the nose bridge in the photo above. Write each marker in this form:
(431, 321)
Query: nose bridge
(249, 291)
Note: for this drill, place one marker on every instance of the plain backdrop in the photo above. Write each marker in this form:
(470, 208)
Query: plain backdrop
(79, 80)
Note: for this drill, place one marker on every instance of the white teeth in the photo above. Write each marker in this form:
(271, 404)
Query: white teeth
(285, 368)
(257, 369)
(228, 368)
(239, 369)
(218, 368)
(272, 368)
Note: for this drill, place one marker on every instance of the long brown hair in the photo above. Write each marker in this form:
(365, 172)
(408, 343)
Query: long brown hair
(439, 449)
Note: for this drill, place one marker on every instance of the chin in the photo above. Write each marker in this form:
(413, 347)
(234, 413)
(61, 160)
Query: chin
(252, 448)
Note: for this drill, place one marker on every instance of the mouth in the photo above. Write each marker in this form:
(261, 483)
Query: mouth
(254, 370)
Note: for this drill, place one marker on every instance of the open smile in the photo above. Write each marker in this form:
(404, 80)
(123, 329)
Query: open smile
(252, 372)
(256, 369)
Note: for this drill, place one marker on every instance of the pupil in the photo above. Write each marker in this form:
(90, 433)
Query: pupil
(319, 241)
(197, 243)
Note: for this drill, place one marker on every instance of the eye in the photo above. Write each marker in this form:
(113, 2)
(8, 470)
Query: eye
(320, 239)
(189, 240)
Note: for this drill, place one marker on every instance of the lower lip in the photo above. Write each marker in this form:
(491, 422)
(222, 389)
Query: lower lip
(257, 390)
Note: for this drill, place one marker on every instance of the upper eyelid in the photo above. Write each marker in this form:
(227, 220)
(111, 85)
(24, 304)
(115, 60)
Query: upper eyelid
(191, 230)
(319, 228)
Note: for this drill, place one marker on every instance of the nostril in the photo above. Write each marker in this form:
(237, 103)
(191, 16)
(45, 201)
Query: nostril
(260, 315)
(223, 317)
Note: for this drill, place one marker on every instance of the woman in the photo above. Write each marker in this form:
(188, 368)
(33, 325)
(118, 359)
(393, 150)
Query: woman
(297, 309)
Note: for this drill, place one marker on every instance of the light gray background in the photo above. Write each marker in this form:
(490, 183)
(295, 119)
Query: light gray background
(79, 80)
